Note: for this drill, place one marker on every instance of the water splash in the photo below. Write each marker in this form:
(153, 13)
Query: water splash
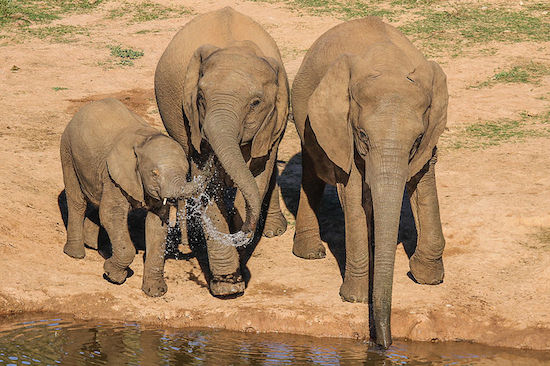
(196, 209)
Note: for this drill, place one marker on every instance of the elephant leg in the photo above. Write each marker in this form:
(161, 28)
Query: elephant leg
(358, 222)
(426, 263)
(76, 207)
(307, 240)
(222, 257)
(155, 245)
(91, 233)
(182, 221)
(113, 214)
(275, 221)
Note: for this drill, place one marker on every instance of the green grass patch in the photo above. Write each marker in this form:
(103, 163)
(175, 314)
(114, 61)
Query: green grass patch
(146, 11)
(345, 10)
(471, 24)
(125, 55)
(539, 239)
(146, 31)
(531, 72)
(439, 26)
(492, 133)
(23, 11)
(59, 88)
(57, 33)
(26, 12)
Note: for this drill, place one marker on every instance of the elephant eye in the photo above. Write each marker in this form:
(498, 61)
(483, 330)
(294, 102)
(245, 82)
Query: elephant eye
(255, 102)
(363, 135)
(155, 173)
(411, 80)
(363, 144)
(415, 146)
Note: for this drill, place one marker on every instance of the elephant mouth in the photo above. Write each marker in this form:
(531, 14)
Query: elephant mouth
(170, 201)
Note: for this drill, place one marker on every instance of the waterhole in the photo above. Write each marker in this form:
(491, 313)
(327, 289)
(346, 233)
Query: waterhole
(41, 339)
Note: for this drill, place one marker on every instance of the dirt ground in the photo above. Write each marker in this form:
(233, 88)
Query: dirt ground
(495, 201)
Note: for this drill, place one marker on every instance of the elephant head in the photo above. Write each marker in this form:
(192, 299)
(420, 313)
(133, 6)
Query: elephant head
(233, 97)
(156, 165)
(386, 112)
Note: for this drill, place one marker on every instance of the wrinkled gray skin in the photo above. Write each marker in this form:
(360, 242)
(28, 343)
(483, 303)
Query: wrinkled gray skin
(221, 88)
(369, 109)
(115, 160)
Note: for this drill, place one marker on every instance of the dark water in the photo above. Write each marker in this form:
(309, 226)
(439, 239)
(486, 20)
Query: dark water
(51, 340)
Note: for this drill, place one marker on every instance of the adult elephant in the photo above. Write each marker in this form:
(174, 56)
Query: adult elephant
(221, 87)
(369, 109)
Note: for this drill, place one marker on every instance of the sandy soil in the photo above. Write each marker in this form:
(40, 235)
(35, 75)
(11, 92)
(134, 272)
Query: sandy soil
(493, 202)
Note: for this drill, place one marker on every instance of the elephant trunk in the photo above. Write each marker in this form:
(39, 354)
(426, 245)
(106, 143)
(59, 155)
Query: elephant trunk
(221, 128)
(174, 187)
(387, 182)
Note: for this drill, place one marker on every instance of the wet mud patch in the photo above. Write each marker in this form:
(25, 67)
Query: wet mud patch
(141, 101)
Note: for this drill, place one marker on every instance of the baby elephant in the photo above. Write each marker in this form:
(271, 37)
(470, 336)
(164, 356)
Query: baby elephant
(113, 159)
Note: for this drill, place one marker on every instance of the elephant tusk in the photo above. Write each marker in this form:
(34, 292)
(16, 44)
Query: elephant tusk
(164, 202)
(172, 216)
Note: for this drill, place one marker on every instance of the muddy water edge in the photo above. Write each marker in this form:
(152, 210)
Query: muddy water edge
(33, 338)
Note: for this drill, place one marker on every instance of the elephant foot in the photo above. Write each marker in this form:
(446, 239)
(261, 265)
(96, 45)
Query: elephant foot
(74, 250)
(426, 272)
(114, 274)
(355, 289)
(308, 247)
(227, 285)
(275, 224)
(154, 288)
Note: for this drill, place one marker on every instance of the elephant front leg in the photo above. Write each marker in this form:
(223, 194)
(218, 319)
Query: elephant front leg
(307, 240)
(356, 204)
(113, 214)
(226, 278)
(155, 242)
(426, 264)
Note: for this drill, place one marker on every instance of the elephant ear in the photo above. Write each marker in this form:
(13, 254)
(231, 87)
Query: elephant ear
(437, 119)
(274, 125)
(122, 165)
(328, 111)
(190, 89)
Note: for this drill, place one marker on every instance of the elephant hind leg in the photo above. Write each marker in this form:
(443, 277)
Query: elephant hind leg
(91, 233)
(76, 206)
(275, 221)
(307, 240)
